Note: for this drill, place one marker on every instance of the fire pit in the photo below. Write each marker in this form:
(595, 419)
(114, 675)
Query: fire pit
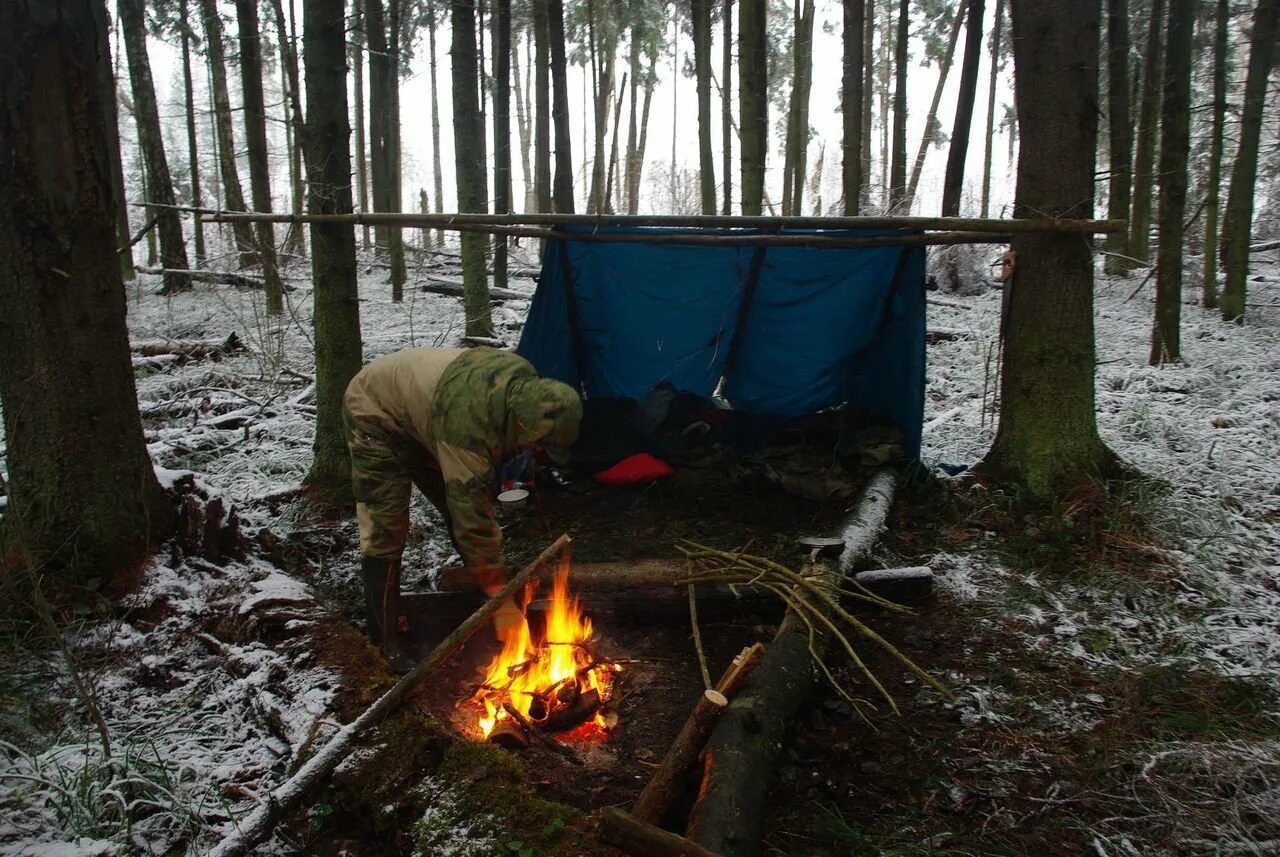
(548, 676)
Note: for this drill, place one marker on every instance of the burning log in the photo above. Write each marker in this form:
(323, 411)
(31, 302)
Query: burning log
(293, 792)
(681, 755)
(625, 831)
(746, 741)
(581, 707)
(510, 735)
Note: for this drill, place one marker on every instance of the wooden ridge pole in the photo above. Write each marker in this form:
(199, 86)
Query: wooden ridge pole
(293, 792)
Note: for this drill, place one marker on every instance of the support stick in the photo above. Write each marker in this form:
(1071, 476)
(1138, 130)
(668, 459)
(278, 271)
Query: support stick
(634, 836)
(662, 787)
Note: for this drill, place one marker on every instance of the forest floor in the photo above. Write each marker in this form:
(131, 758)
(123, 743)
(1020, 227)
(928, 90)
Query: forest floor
(1113, 657)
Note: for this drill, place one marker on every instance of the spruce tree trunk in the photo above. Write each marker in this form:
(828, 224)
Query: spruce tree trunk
(726, 108)
(1144, 159)
(470, 169)
(753, 102)
(437, 165)
(1238, 224)
(613, 146)
(293, 96)
(625, 197)
(173, 250)
(123, 233)
(325, 139)
(231, 188)
(1175, 142)
(485, 193)
(898, 170)
(797, 143)
(541, 107)
(395, 189)
(931, 121)
(193, 155)
(602, 86)
(83, 497)
(1120, 123)
(1213, 193)
(991, 109)
(255, 133)
(868, 98)
(851, 95)
(633, 176)
(382, 140)
(1047, 442)
(524, 127)
(953, 184)
(563, 202)
(501, 131)
(357, 68)
(700, 14)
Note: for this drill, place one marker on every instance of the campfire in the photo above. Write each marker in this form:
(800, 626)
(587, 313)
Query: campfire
(548, 676)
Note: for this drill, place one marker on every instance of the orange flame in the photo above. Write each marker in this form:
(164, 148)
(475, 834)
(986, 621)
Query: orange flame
(529, 669)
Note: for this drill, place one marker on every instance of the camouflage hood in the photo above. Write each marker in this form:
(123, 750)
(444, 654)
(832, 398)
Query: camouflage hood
(542, 412)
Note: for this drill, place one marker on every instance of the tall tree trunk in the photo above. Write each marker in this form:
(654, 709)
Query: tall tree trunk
(293, 96)
(673, 174)
(1175, 142)
(357, 66)
(1144, 160)
(1213, 193)
(541, 107)
(1238, 224)
(524, 127)
(255, 134)
(485, 192)
(613, 147)
(173, 251)
(898, 173)
(868, 98)
(851, 95)
(1047, 441)
(633, 61)
(224, 125)
(633, 175)
(1120, 125)
(885, 82)
(375, 28)
(606, 49)
(726, 108)
(991, 109)
(560, 109)
(325, 139)
(931, 121)
(797, 143)
(501, 131)
(193, 155)
(83, 496)
(753, 102)
(395, 189)
(700, 14)
(470, 169)
(953, 183)
(437, 166)
(123, 234)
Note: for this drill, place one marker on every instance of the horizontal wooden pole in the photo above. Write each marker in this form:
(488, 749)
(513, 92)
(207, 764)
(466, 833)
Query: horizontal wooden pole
(704, 221)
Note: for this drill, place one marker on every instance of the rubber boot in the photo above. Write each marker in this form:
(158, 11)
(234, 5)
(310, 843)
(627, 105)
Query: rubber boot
(382, 608)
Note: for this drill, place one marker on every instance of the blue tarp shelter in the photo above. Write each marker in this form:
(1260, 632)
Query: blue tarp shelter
(783, 331)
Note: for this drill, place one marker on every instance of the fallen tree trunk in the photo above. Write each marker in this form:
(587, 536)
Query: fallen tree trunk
(223, 278)
(438, 286)
(1264, 246)
(625, 831)
(945, 334)
(748, 738)
(294, 792)
(194, 349)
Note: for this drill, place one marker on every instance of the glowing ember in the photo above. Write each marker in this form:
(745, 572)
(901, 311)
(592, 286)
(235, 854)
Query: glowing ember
(539, 677)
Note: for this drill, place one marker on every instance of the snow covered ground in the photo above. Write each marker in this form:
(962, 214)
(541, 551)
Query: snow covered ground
(203, 720)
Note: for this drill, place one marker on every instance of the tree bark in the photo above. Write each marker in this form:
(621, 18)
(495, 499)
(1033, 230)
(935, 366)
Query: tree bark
(83, 497)
(173, 250)
(700, 15)
(797, 143)
(255, 133)
(560, 108)
(357, 66)
(944, 71)
(1144, 159)
(898, 172)
(851, 95)
(1175, 142)
(395, 247)
(383, 103)
(524, 126)
(1213, 191)
(224, 126)
(753, 102)
(293, 95)
(470, 169)
(326, 138)
(1047, 440)
(633, 177)
(613, 146)
(1238, 223)
(193, 155)
(996, 34)
(437, 165)
(868, 96)
(726, 108)
(123, 233)
(541, 108)
(1120, 134)
(953, 184)
(501, 131)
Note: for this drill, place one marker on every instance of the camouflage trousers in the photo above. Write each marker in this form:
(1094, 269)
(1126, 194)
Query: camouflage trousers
(384, 468)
